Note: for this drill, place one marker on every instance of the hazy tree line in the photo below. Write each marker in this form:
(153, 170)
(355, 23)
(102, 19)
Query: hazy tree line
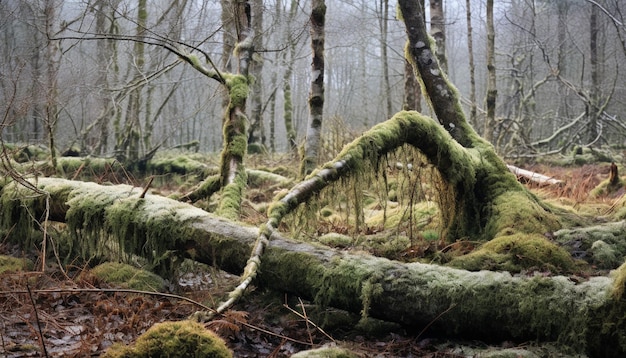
(101, 74)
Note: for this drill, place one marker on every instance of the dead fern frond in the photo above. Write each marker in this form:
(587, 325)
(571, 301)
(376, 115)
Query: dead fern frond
(230, 324)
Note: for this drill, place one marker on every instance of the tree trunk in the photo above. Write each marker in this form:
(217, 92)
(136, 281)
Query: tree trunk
(490, 121)
(479, 185)
(412, 92)
(594, 95)
(384, 29)
(233, 177)
(256, 136)
(288, 62)
(438, 32)
(472, 68)
(492, 306)
(316, 97)
(128, 144)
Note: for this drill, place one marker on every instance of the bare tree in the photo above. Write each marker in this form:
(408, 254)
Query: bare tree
(438, 31)
(256, 136)
(490, 121)
(316, 98)
(472, 68)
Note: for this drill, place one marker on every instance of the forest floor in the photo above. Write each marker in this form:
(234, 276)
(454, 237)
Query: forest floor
(71, 313)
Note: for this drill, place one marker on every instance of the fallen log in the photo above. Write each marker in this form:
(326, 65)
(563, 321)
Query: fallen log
(589, 316)
(526, 176)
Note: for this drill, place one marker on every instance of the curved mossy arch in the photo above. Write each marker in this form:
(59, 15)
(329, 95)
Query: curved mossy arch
(482, 199)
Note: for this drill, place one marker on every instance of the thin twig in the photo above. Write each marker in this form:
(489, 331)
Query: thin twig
(145, 190)
(306, 320)
(434, 320)
(309, 321)
(32, 301)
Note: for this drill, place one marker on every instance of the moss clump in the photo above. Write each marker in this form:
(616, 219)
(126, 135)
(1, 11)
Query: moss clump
(609, 240)
(128, 276)
(336, 240)
(12, 264)
(515, 253)
(232, 196)
(396, 216)
(605, 256)
(325, 352)
(173, 339)
(180, 164)
(238, 88)
(619, 282)
(385, 245)
(606, 188)
(517, 211)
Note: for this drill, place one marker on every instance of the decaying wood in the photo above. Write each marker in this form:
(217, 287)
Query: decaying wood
(613, 175)
(587, 316)
(530, 176)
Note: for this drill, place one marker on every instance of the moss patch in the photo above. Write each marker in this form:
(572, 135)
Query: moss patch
(336, 240)
(601, 245)
(13, 264)
(173, 339)
(128, 276)
(515, 253)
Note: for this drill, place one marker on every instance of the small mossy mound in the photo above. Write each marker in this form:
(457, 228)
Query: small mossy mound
(13, 264)
(325, 352)
(606, 188)
(180, 164)
(336, 240)
(605, 256)
(619, 282)
(128, 276)
(387, 245)
(515, 253)
(509, 214)
(601, 245)
(425, 215)
(173, 339)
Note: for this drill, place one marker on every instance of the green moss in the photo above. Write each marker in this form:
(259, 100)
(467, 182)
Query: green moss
(515, 253)
(150, 228)
(336, 240)
(232, 195)
(609, 240)
(238, 89)
(13, 264)
(208, 186)
(387, 245)
(619, 282)
(605, 256)
(174, 339)
(128, 276)
(517, 211)
(238, 146)
(395, 216)
(180, 164)
(606, 188)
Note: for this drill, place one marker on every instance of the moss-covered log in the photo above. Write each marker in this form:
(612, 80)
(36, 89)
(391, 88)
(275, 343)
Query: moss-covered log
(589, 317)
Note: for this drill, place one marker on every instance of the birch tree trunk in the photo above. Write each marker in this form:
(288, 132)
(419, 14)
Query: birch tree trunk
(316, 96)
(438, 32)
